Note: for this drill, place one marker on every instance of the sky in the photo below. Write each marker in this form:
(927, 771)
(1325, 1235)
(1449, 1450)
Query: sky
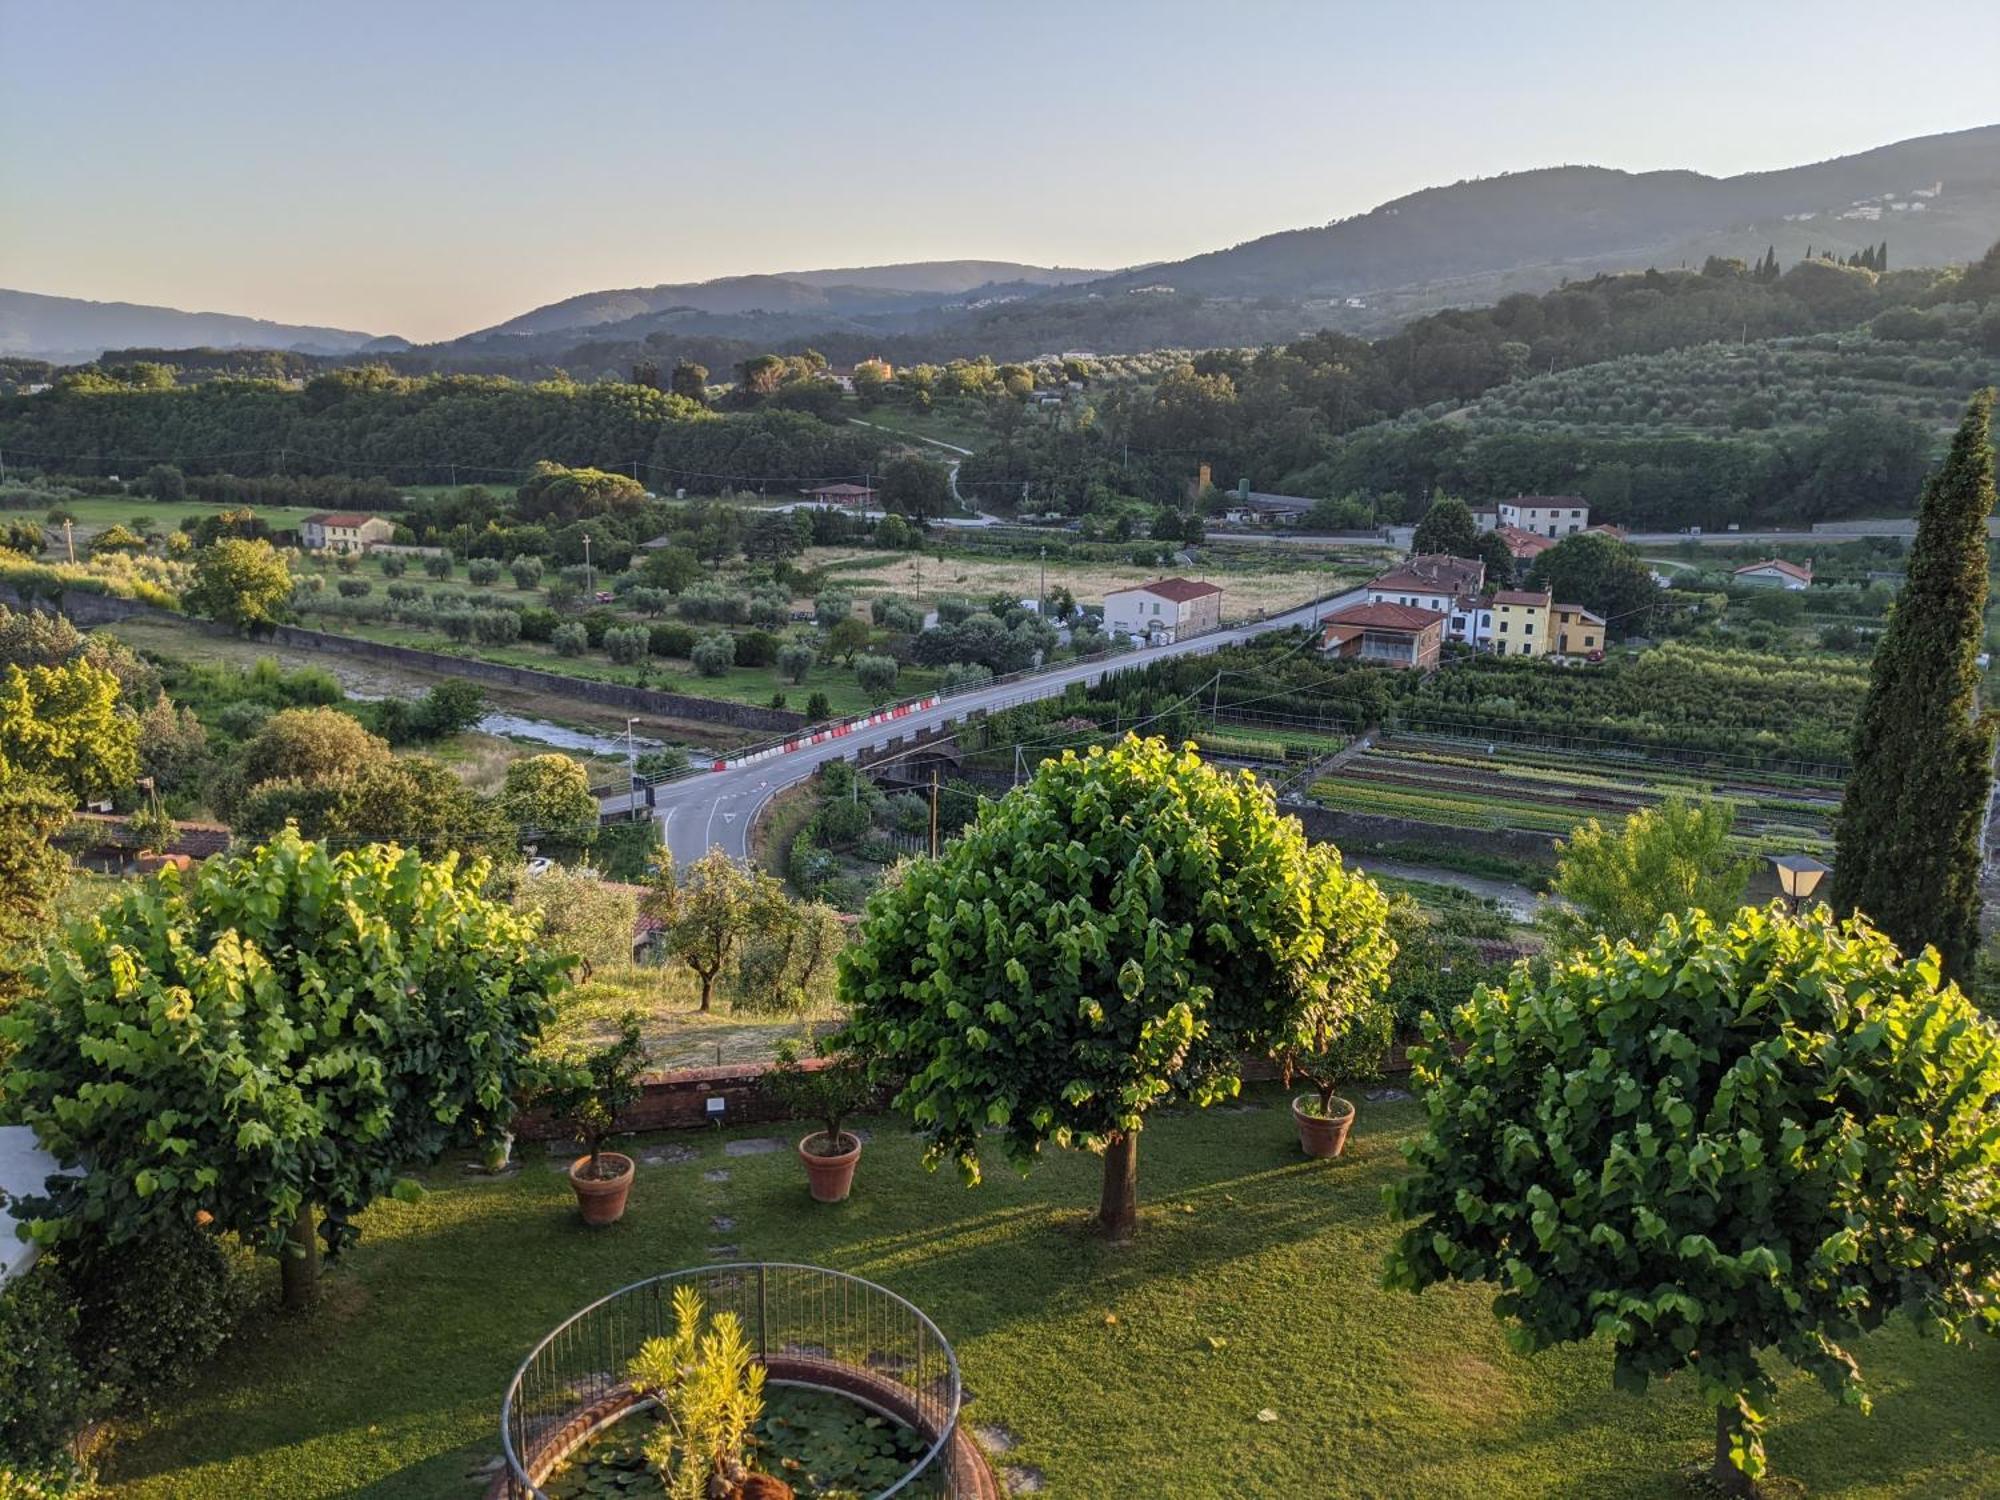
(428, 167)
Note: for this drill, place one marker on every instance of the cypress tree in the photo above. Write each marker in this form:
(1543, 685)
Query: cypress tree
(1908, 852)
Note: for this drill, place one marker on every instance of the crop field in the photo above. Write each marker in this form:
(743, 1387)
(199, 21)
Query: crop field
(1254, 582)
(93, 513)
(1454, 785)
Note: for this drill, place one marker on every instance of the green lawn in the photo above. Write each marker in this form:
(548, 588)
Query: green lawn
(1122, 1372)
(96, 511)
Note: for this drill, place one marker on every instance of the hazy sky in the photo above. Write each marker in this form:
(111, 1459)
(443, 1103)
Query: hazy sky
(426, 167)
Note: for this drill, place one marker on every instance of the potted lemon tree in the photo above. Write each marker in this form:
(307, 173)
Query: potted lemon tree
(589, 1089)
(828, 1087)
(1346, 1046)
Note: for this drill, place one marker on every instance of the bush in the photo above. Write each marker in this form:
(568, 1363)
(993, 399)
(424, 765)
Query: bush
(756, 648)
(570, 640)
(769, 607)
(527, 571)
(496, 627)
(484, 571)
(151, 1312)
(626, 645)
(818, 708)
(667, 639)
(539, 624)
(892, 613)
(393, 564)
(438, 564)
(830, 608)
(354, 588)
(714, 654)
(46, 1394)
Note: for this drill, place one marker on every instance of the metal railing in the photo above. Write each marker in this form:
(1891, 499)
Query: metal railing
(809, 1326)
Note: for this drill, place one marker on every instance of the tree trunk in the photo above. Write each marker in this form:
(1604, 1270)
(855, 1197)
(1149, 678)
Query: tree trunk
(298, 1262)
(1118, 1205)
(707, 988)
(1726, 1477)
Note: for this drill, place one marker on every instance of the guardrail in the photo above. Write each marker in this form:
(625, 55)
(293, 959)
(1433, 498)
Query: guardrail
(809, 1327)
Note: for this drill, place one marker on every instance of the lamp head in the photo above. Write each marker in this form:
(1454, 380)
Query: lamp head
(1799, 875)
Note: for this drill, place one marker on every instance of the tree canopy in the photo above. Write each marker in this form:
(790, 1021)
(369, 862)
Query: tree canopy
(1116, 933)
(240, 583)
(281, 1031)
(1604, 575)
(1757, 1133)
(1666, 860)
(1448, 529)
(64, 725)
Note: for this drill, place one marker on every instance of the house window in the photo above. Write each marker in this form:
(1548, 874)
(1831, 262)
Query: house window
(1503, 627)
(1528, 627)
(1589, 641)
(1526, 649)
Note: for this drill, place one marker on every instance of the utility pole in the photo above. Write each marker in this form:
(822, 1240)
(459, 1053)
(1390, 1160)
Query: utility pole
(69, 538)
(589, 579)
(1042, 602)
(934, 812)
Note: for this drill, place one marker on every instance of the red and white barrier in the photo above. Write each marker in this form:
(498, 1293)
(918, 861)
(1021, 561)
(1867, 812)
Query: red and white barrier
(831, 732)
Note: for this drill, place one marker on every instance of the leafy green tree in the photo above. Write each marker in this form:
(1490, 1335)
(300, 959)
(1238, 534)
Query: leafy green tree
(558, 495)
(876, 676)
(1121, 931)
(527, 570)
(1689, 1152)
(707, 909)
(280, 1035)
(582, 913)
(1907, 850)
(241, 583)
(1492, 549)
(796, 660)
(64, 724)
(1665, 860)
(913, 485)
(166, 483)
(310, 745)
(549, 799)
(788, 960)
(689, 381)
(1447, 527)
(848, 634)
(1602, 574)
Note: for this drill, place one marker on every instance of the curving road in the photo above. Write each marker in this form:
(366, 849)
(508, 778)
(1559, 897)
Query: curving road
(711, 808)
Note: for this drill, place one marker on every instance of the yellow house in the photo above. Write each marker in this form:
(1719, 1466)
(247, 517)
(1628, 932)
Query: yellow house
(1578, 632)
(1515, 623)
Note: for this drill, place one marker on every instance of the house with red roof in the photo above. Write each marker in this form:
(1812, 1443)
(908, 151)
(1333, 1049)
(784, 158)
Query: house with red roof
(1164, 611)
(344, 531)
(1776, 573)
(1385, 635)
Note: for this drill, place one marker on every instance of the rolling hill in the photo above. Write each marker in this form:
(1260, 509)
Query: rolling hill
(74, 330)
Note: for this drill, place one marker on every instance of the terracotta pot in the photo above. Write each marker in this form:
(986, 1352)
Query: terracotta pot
(1319, 1135)
(601, 1200)
(830, 1176)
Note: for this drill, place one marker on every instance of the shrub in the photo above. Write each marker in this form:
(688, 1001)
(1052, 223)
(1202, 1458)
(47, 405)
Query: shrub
(393, 564)
(769, 607)
(151, 1312)
(756, 648)
(438, 564)
(484, 571)
(46, 1394)
(597, 624)
(457, 624)
(354, 588)
(668, 639)
(570, 640)
(539, 624)
(828, 1093)
(527, 571)
(626, 645)
(818, 708)
(496, 627)
(714, 654)
(830, 608)
(892, 613)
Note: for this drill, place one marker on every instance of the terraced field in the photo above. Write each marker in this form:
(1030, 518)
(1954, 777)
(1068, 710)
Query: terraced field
(1458, 786)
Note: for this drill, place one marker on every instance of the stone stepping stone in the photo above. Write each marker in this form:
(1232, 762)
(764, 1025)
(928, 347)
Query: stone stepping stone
(1389, 1096)
(716, 1174)
(756, 1145)
(725, 1252)
(722, 1223)
(668, 1156)
(994, 1438)
(1021, 1479)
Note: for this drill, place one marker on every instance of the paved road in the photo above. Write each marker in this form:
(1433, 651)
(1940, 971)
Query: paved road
(717, 807)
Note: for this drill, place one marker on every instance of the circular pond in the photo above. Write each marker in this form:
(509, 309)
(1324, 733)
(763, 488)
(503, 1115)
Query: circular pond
(861, 1392)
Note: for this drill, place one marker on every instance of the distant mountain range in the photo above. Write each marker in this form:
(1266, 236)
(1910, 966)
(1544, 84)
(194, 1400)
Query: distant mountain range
(1934, 199)
(71, 330)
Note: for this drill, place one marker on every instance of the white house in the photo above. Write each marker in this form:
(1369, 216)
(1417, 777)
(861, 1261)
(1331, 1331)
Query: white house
(1450, 586)
(1164, 611)
(1775, 572)
(1544, 515)
(344, 531)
